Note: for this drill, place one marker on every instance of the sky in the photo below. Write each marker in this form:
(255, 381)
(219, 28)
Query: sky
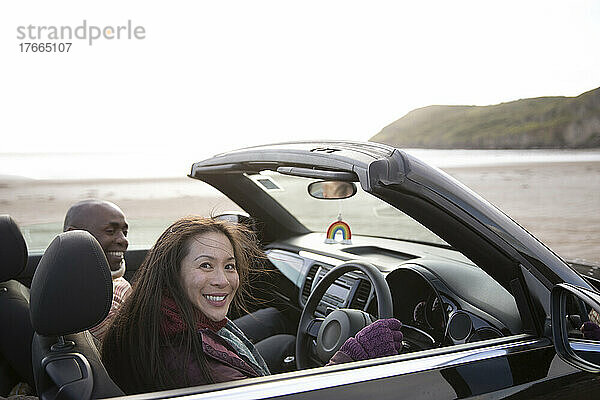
(219, 75)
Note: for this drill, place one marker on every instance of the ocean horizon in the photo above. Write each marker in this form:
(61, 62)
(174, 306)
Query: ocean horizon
(137, 165)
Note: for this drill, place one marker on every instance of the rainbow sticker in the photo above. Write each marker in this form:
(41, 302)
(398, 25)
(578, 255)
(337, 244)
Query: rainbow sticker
(339, 227)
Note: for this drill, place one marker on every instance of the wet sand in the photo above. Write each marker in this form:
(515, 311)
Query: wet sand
(559, 203)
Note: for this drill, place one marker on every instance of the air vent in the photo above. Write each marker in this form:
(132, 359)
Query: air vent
(322, 272)
(309, 281)
(361, 296)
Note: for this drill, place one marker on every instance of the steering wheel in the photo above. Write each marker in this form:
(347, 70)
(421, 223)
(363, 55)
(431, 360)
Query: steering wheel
(323, 337)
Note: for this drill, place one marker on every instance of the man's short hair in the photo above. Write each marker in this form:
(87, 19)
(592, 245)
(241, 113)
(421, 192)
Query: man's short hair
(77, 214)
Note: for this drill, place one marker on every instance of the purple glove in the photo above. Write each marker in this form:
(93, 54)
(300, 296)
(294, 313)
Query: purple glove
(381, 338)
(590, 330)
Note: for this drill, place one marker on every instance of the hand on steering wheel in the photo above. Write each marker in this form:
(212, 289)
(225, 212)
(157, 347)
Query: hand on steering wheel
(324, 337)
(379, 339)
(318, 339)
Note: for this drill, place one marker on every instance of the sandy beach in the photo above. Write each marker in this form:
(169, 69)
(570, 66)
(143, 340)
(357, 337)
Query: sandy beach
(558, 202)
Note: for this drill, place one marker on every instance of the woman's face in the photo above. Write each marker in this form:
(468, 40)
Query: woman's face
(209, 275)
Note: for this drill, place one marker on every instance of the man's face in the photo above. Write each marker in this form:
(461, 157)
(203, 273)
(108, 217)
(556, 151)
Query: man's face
(108, 225)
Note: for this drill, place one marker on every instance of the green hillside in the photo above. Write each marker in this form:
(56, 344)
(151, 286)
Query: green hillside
(543, 122)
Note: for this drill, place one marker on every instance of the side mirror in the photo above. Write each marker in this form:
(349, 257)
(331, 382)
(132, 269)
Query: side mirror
(572, 307)
(332, 190)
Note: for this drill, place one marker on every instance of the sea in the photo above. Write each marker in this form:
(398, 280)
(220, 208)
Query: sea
(144, 165)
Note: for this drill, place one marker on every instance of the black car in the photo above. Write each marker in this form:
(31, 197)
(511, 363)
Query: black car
(487, 310)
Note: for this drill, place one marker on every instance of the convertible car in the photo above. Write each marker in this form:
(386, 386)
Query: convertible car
(358, 231)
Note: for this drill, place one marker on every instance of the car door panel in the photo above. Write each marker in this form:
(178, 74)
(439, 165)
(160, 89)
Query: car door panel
(519, 375)
(520, 369)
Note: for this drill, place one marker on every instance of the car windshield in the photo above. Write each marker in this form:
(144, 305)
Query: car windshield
(365, 214)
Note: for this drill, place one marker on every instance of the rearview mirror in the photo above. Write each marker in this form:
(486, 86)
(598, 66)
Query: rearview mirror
(332, 190)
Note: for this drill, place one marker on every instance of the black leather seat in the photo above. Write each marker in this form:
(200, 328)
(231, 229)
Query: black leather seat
(71, 292)
(16, 332)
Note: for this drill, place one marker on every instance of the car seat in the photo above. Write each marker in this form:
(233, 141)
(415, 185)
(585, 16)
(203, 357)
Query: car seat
(71, 291)
(16, 332)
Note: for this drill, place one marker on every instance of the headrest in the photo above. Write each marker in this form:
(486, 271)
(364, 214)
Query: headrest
(13, 250)
(71, 290)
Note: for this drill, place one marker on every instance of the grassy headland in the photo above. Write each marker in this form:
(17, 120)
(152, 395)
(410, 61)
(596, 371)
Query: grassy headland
(543, 122)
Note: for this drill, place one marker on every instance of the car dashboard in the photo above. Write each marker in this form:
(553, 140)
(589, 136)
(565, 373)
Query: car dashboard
(434, 289)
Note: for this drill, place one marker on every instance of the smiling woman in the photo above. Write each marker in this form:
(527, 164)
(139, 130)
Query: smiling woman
(196, 269)
(209, 275)
(173, 330)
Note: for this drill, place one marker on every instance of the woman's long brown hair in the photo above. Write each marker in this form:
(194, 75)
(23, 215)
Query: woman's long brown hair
(131, 349)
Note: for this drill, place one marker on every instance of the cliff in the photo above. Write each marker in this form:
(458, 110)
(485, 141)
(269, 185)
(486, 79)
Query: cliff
(543, 122)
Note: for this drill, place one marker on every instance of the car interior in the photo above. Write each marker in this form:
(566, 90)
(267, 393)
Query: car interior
(438, 293)
(448, 284)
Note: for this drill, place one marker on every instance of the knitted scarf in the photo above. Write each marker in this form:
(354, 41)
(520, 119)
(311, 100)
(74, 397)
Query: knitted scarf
(172, 323)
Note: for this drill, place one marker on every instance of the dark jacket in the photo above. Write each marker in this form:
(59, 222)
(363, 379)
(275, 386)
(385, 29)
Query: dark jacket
(224, 362)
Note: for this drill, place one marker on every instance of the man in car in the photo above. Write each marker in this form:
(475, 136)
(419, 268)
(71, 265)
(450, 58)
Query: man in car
(107, 223)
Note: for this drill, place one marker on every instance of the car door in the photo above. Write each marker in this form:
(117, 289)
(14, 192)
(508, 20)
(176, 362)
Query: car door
(522, 367)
